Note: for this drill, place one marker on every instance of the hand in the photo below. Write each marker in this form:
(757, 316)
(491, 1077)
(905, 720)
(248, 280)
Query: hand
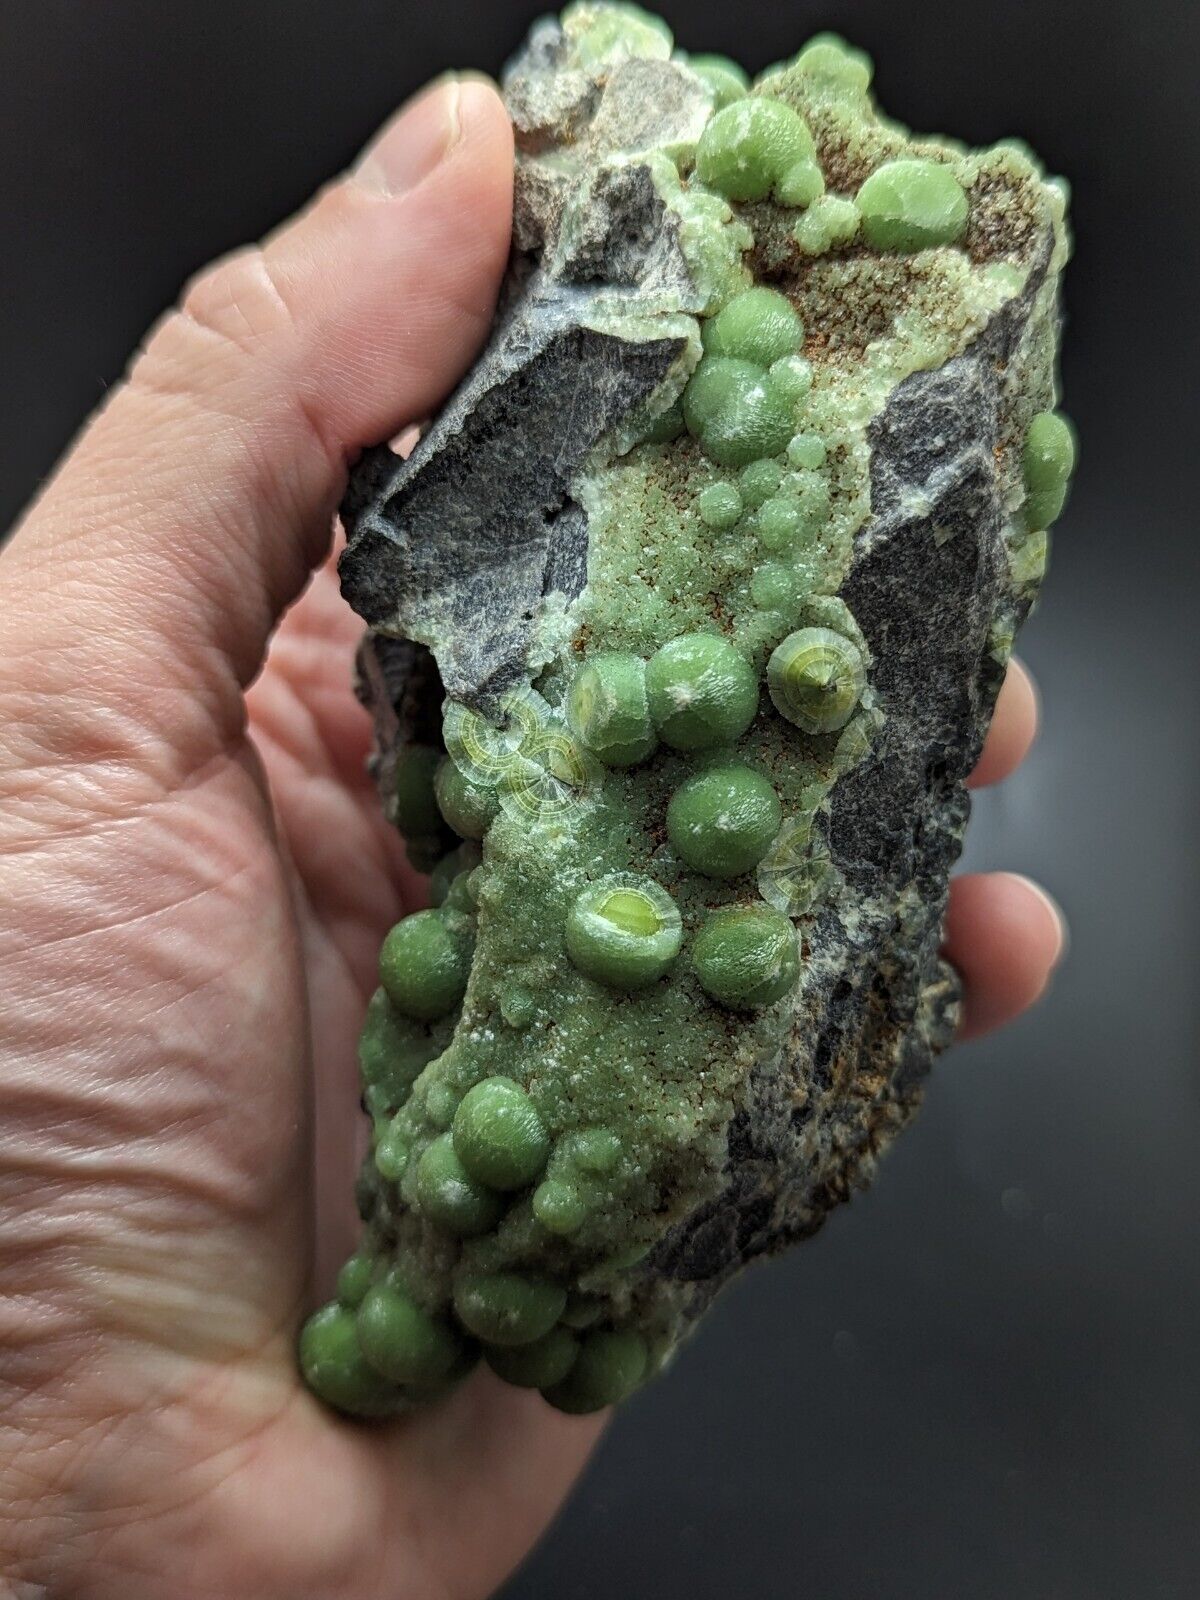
(194, 882)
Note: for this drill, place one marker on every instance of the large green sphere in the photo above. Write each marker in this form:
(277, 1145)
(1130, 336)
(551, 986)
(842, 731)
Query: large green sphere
(702, 692)
(423, 967)
(498, 1135)
(912, 205)
(747, 957)
(816, 678)
(335, 1368)
(403, 1342)
(624, 931)
(450, 1197)
(607, 710)
(721, 822)
(608, 1368)
(507, 1309)
(750, 145)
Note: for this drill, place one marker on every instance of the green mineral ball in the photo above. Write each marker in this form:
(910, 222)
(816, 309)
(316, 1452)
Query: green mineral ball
(806, 450)
(559, 1207)
(335, 1369)
(775, 586)
(608, 1368)
(459, 863)
(624, 931)
(759, 481)
(721, 822)
(758, 325)
(912, 205)
(737, 411)
(498, 1135)
(828, 56)
(607, 709)
(450, 1197)
(719, 506)
(792, 377)
(538, 1365)
(416, 810)
(467, 807)
(392, 1049)
(392, 1152)
(507, 1309)
(665, 427)
(746, 956)
(783, 525)
(702, 692)
(750, 145)
(603, 35)
(354, 1279)
(816, 678)
(725, 78)
(404, 1343)
(423, 967)
(1048, 461)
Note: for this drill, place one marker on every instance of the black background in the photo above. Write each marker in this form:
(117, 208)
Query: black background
(983, 1379)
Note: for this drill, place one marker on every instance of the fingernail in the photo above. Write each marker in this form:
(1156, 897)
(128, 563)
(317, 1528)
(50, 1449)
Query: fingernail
(1055, 910)
(414, 143)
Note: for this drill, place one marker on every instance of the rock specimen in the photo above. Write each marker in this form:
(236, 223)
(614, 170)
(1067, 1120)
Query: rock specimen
(686, 620)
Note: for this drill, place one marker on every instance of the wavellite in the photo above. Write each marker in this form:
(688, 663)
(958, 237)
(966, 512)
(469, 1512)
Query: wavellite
(686, 619)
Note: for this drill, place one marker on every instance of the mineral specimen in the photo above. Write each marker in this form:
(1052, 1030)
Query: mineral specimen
(686, 620)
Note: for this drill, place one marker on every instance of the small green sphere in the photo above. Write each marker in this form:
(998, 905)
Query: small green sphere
(792, 377)
(423, 967)
(468, 807)
(402, 1342)
(721, 822)
(806, 450)
(727, 80)
(607, 710)
(748, 146)
(507, 1309)
(457, 865)
(498, 1135)
(450, 1197)
(392, 1049)
(816, 678)
(1048, 461)
(912, 205)
(737, 411)
(783, 525)
(608, 1368)
(392, 1152)
(415, 808)
(335, 1369)
(758, 325)
(538, 1365)
(702, 692)
(775, 587)
(746, 956)
(354, 1279)
(719, 506)
(828, 56)
(559, 1207)
(759, 481)
(800, 185)
(624, 931)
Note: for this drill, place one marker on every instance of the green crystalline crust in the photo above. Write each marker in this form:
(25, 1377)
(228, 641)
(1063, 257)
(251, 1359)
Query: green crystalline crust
(555, 1053)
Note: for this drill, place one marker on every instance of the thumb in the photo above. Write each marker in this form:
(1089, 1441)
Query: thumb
(139, 594)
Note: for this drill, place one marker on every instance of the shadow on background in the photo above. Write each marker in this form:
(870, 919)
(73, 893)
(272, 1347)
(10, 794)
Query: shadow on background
(983, 1379)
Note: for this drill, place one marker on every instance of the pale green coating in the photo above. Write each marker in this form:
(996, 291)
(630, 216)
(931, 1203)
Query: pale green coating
(727, 80)
(506, 1308)
(423, 967)
(608, 1368)
(624, 931)
(816, 678)
(737, 410)
(416, 812)
(702, 692)
(912, 205)
(402, 1342)
(719, 506)
(538, 1365)
(759, 325)
(1048, 461)
(722, 821)
(498, 1135)
(750, 146)
(747, 956)
(335, 1369)
(468, 807)
(450, 1197)
(607, 709)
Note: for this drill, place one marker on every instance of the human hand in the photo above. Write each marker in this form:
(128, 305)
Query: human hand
(194, 882)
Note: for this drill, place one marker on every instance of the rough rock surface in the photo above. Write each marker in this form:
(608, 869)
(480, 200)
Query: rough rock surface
(770, 373)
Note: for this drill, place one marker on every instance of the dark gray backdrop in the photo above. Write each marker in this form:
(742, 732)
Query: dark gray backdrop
(983, 1379)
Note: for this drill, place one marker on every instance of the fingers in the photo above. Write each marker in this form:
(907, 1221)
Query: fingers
(196, 503)
(1013, 730)
(1005, 936)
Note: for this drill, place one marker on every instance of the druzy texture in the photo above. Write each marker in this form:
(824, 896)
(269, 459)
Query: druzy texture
(686, 619)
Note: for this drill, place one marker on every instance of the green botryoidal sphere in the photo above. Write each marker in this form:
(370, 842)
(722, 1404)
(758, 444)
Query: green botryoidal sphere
(607, 709)
(719, 506)
(1048, 461)
(506, 1308)
(759, 481)
(538, 1365)
(423, 967)
(746, 957)
(354, 1279)
(737, 410)
(721, 822)
(450, 1197)
(702, 692)
(416, 810)
(753, 146)
(335, 1368)
(912, 205)
(404, 1343)
(727, 80)
(816, 678)
(624, 931)
(609, 1367)
(498, 1135)
(758, 325)
(467, 807)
